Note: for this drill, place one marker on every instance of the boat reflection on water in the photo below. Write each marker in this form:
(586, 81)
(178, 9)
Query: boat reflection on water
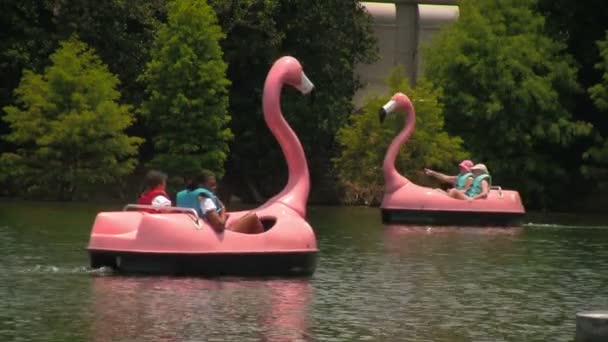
(194, 309)
(396, 229)
(420, 240)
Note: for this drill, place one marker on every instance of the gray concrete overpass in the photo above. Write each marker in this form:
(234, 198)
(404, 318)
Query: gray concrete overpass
(401, 26)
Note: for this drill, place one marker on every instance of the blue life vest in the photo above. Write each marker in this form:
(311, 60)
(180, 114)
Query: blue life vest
(461, 181)
(476, 188)
(189, 199)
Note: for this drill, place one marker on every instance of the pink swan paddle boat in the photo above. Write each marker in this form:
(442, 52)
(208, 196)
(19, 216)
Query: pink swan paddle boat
(177, 241)
(406, 202)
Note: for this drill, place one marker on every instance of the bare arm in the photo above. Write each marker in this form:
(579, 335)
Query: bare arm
(485, 189)
(217, 222)
(441, 176)
(223, 213)
(467, 184)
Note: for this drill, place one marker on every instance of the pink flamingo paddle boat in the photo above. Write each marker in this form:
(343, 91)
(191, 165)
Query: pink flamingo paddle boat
(176, 241)
(406, 202)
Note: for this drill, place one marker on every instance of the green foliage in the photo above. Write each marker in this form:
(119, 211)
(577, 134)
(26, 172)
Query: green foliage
(25, 41)
(506, 88)
(120, 32)
(580, 24)
(69, 127)
(597, 155)
(364, 141)
(328, 45)
(186, 106)
(252, 21)
(599, 92)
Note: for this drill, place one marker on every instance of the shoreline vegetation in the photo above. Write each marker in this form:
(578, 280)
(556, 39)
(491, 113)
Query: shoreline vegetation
(88, 103)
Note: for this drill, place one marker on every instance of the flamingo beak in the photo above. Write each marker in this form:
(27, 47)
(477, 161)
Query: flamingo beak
(388, 108)
(381, 115)
(305, 85)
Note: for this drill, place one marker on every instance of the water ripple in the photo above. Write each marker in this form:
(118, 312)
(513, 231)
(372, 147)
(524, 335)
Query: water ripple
(373, 283)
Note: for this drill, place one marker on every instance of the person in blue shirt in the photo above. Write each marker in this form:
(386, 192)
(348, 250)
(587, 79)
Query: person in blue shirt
(200, 195)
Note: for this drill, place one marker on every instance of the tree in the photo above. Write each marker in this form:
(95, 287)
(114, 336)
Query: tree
(25, 43)
(329, 37)
(252, 21)
(69, 126)
(186, 105)
(581, 25)
(599, 92)
(364, 141)
(598, 155)
(507, 88)
(119, 31)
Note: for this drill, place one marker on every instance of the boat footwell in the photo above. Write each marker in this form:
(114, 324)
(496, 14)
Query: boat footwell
(210, 264)
(451, 218)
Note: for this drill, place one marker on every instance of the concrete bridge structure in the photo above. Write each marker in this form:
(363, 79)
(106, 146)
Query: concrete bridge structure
(401, 26)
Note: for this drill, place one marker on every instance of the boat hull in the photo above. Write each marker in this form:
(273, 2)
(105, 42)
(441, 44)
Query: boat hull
(207, 264)
(452, 218)
(181, 244)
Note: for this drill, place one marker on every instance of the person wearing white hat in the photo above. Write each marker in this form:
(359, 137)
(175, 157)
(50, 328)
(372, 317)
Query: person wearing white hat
(480, 187)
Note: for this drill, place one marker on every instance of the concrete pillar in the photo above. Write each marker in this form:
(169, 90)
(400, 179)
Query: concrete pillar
(400, 26)
(407, 38)
(592, 326)
(385, 31)
(429, 20)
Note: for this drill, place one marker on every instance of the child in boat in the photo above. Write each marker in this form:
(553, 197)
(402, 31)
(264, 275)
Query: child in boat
(155, 193)
(200, 196)
(460, 182)
(480, 187)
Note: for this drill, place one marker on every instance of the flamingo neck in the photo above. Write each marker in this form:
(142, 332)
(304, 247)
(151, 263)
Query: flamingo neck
(393, 180)
(295, 193)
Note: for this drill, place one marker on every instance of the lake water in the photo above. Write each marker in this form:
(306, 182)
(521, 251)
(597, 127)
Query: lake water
(373, 283)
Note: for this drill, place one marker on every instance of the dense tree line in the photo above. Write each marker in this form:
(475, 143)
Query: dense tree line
(515, 76)
(583, 27)
(520, 85)
(329, 38)
(139, 44)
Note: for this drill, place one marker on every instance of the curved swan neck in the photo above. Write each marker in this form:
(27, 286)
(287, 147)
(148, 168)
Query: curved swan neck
(295, 193)
(393, 180)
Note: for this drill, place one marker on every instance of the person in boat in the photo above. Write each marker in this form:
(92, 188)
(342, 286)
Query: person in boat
(480, 187)
(155, 193)
(460, 182)
(200, 196)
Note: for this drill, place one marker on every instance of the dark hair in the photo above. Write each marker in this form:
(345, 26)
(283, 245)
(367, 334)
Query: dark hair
(154, 178)
(199, 180)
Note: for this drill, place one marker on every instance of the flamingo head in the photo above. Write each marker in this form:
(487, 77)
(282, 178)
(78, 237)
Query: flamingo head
(294, 75)
(398, 101)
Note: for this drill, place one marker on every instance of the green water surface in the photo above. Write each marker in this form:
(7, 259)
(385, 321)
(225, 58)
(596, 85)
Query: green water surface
(373, 283)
